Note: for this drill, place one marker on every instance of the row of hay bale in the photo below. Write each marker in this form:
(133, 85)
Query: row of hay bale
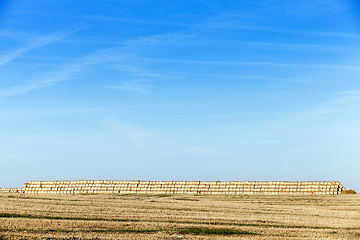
(11, 190)
(183, 187)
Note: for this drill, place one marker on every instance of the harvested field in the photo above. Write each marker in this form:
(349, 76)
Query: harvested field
(116, 216)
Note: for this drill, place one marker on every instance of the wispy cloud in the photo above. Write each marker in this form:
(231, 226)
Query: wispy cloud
(337, 117)
(282, 79)
(269, 16)
(71, 69)
(127, 55)
(137, 136)
(106, 18)
(322, 33)
(13, 34)
(141, 44)
(138, 78)
(215, 25)
(201, 150)
(266, 64)
(292, 46)
(131, 86)
(131, 134)
(247, 77)
(347, 97)
(66, 71)
(233, 23)
(39, 42)
(17, 114)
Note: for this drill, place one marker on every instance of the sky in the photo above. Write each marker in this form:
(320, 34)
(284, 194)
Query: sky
(180, 90)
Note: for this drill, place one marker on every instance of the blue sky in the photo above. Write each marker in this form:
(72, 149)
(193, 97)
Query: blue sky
(179, 90)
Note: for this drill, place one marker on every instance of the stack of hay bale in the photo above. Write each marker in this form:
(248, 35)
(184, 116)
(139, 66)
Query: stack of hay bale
(183, 187)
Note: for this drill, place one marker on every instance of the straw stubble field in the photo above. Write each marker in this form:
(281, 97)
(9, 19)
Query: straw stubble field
(115, 216)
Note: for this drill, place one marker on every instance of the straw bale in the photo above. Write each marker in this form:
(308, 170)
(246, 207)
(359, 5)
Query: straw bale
(350, 191)
(109, 186)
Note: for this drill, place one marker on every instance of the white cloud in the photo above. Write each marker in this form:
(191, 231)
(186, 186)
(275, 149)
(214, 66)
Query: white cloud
(273, 16)
(28, 113)
(137, 136)
(294, 47)
(347, 97)
(37, 43)
(139, 77)
(65, 72)
(70, 69)
(268, 64)
(131, 86)
(129, 133)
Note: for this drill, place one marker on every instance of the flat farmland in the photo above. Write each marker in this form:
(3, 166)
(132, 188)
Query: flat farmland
(115, 216)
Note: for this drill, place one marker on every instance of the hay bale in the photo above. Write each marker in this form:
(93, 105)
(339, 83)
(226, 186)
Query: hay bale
(350, 191)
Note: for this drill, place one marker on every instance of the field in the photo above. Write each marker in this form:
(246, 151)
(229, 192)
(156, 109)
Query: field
(112, 216)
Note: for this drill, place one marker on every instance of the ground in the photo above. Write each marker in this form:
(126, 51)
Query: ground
(115, 216)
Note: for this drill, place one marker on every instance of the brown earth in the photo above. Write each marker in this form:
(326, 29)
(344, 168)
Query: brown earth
(114, 216)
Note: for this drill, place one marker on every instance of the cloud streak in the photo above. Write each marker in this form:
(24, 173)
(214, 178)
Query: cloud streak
(131, 86)
(26, 113)
(265, 64)
(65, 72)
(39, 42)
(216, 25)
(295, 47)
(71, 69)
(140, 137)
(140, 77)
(250, 77)
(293, 12)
